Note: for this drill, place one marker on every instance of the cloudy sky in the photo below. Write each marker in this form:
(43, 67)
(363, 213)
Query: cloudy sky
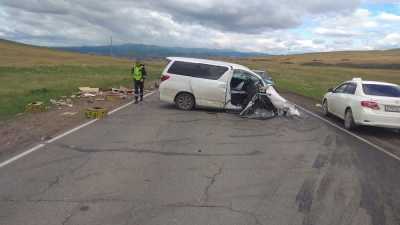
(252, 25)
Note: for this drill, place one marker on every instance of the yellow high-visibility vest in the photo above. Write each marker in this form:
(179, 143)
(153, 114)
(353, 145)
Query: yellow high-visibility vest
(137, 73)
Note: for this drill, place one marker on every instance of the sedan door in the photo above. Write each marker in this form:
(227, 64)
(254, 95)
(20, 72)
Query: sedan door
(335, 100)
(345, 99)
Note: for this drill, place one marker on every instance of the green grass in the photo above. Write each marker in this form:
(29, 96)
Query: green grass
(22, 85)
(314, 81)
(29, 73)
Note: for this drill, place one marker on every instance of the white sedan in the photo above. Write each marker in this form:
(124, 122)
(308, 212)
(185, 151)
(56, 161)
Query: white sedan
(368, 103)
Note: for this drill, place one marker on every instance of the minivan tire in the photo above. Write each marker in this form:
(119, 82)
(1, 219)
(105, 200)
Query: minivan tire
(349, 123)
(185, 101)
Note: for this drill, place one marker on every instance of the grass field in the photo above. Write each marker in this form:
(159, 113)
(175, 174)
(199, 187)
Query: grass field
(29, 74)
(312, 74)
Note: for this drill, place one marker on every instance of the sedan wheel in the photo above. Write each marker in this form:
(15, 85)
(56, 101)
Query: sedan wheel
(349, 123)
(185, 101)
(325, 109)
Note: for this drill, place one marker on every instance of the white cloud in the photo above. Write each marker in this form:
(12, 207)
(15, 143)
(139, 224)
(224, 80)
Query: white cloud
(391, 40)
(254, 25)
(388, 17)
(335, 32)
(348, 25)
(360, 30)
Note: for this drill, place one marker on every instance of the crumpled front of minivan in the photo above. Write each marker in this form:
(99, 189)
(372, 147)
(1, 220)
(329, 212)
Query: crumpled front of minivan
(283, 105)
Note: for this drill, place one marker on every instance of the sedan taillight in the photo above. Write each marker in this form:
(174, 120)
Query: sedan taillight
(370, 104)
(164, 78)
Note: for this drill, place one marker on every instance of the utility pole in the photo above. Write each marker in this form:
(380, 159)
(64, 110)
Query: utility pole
(111, 46)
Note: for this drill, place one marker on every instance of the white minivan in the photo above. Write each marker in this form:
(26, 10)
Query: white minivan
(189, 82)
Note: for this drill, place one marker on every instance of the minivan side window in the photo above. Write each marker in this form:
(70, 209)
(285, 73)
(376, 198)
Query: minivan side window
(197, 70)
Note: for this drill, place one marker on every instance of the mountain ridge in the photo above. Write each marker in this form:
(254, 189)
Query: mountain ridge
(132, 50)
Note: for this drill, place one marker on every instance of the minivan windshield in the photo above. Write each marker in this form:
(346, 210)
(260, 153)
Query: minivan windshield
(262, 74)
(266, 78)
(381, 90)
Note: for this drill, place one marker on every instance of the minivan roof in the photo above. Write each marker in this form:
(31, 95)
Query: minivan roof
(207, 61)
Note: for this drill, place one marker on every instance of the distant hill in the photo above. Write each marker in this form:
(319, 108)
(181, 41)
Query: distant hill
(376, 59)
(153, 51)
(18, 54)
(395, 50)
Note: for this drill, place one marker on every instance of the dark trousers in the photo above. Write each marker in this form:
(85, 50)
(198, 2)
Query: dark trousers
(139, 89)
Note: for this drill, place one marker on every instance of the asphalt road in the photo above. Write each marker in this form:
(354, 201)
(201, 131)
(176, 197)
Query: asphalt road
(151, 164)
(389, 139)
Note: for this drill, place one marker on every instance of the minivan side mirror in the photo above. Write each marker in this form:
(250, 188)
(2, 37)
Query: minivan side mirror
(330, 90)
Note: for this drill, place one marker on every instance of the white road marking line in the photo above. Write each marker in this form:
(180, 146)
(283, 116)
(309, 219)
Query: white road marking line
(71, 131)
(352, 134)
(128, 104)
(15, 158)
(39, 146)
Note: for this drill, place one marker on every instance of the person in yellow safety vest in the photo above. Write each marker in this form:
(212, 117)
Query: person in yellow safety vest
(139, 75)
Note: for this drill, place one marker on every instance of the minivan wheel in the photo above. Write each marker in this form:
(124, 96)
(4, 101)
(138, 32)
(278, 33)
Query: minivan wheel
(349, 123)
(325, 109)
(185, 101)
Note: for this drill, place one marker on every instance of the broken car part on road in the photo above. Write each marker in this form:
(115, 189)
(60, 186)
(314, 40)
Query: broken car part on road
(267, 103)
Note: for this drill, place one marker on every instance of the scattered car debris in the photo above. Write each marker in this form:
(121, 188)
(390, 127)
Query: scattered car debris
(46, 138)
(122, 90)
(69, 113)
(115, 96)
(92, 95)
(96, 113)
(35, 107)
(67, 102)
(88, 95)
(89, 90)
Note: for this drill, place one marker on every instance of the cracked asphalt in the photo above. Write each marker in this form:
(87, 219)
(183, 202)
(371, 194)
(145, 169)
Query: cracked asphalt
(152, 164)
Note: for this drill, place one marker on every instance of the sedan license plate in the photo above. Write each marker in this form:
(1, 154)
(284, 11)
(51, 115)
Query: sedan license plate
(392, 108)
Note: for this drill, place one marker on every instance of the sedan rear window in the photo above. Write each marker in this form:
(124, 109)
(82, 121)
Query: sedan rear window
(381, 90)
(197, 70)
